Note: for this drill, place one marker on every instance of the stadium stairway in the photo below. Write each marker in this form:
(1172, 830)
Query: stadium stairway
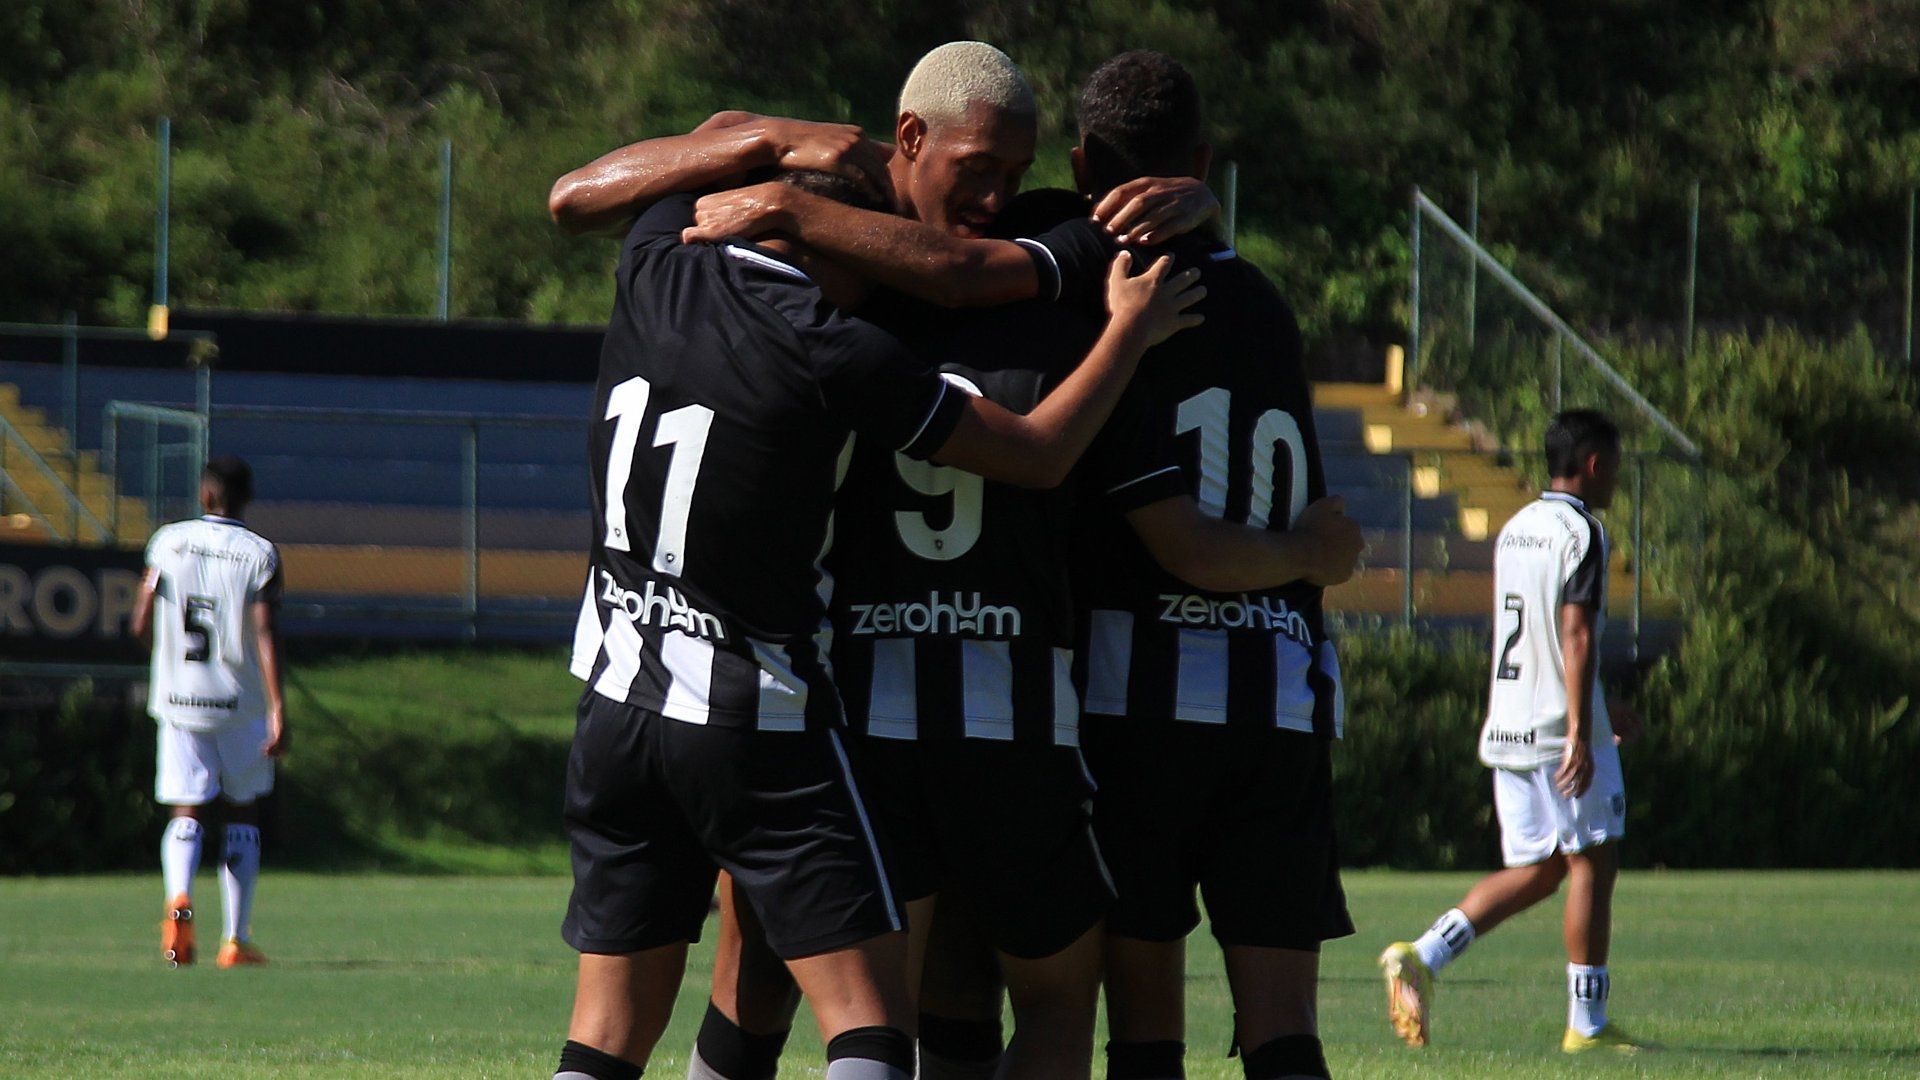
(73, 470)
(1463, 492)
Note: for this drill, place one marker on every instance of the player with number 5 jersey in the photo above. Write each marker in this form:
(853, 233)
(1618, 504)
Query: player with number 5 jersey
(209, 608)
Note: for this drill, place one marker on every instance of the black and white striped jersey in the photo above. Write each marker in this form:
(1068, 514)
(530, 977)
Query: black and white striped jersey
(1233, 397)
(728, 395)
(952, 612)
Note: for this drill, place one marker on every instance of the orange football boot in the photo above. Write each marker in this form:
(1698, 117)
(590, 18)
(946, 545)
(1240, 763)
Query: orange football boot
(176, 932)
(236, 953)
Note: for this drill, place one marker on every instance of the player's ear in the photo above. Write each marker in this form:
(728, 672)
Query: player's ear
(909, 133)
(1079, 159)
(1202, 159)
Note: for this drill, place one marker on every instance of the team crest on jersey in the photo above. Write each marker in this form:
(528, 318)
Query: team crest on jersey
(1245, 613)
(962, 614)
(655, 606)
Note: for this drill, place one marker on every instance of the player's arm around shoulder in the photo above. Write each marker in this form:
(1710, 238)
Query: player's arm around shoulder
(1040, 449)
(608, 192)
(1322, 547)
(917, 259)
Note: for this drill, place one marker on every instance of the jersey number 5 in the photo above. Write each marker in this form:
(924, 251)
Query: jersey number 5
(196, 621)
(685, 429)
(1210, 413)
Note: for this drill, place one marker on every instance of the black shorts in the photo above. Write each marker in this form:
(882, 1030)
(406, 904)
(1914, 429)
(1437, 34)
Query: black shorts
(654, 806)
(1245, 815)
(1005, 825)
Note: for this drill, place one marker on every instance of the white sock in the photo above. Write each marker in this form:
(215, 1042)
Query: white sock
(1587, 990)
(180, 856)
(1445, 940)
(239, 869)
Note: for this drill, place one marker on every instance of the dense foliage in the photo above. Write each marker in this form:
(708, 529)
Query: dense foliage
(307, 138)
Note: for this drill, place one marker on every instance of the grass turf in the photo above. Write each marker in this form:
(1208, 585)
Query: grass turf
(1735, 974)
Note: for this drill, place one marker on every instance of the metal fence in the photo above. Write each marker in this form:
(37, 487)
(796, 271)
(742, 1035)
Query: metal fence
(1485, 345)
(390, 521)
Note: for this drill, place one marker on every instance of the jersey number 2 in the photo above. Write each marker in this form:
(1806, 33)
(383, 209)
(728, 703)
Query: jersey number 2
(1209, 412)
(685, 429)
(1508, 669)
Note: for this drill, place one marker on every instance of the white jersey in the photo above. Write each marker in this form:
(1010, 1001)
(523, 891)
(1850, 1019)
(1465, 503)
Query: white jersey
(1553, 553)
(206, 670)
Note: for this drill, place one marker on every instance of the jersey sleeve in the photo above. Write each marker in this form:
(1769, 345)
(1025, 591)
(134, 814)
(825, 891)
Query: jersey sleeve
(1134, 461)
(1587, 579)
(871, 383)
(1072, 260)
(660, 224)
(156, 563)
(270, 581)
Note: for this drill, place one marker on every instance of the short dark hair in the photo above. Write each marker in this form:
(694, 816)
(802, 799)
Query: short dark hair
(232, 477)
(841, 189)
(1574, 435)
(1139, 116)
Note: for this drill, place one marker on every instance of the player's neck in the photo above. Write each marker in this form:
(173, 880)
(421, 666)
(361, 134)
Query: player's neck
(898, 169)
(842, 288)
(1568, 487)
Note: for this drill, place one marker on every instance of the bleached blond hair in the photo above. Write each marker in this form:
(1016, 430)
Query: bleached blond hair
(959, 73)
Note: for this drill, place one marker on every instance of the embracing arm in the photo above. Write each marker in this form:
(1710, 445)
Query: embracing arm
(609, 191)
(1040, 448)
(916, 259)
(924, 261)
(1222, 556)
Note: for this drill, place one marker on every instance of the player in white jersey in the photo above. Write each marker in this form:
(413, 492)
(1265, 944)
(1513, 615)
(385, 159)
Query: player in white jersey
(209, 606)
(1557, 787)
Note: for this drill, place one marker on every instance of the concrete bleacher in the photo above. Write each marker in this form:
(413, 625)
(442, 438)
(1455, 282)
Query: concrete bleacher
(371, 513)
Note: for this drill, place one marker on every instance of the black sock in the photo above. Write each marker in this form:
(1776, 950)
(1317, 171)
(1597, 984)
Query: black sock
(883, 1045)
(1165, 1060)
(1288, 1055)
(734, 1051)
(961, 1040)
(583, 1060)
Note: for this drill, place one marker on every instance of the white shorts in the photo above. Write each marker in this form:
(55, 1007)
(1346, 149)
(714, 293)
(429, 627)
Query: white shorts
(193, 767)
(1536, 820)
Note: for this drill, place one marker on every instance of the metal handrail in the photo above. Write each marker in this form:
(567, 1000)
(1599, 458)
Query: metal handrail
(1424, 205)
(76, 506)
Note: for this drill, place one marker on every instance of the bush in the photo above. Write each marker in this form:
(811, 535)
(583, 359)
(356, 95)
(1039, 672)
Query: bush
(76, 784)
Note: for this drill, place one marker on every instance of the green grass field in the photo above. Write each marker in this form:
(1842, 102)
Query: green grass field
(1735, 974)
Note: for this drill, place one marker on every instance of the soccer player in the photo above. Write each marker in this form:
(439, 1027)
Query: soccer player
(731, 385)
(1557, 787)
(208, 607)
(1215, 706)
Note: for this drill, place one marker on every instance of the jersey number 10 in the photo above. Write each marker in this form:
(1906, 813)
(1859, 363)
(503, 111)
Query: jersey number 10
(1210, 413)
(685, 429)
